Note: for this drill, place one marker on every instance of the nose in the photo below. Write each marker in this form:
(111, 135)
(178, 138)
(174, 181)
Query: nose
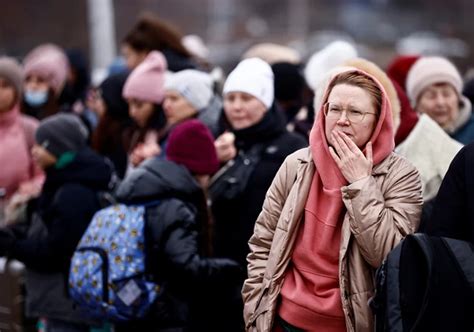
(166, 103)
(34, 151)
(343, 119)
(440, 99)
(236, 105)
(132, 111)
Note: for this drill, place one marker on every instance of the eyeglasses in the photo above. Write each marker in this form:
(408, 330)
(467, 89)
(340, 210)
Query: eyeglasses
(334, 111)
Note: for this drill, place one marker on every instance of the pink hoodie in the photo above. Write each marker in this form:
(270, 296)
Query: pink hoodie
(16, 139)
(310, 296)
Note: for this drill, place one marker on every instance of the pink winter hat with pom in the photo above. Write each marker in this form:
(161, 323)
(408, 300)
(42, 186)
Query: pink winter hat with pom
(146, 82)
(49, 62)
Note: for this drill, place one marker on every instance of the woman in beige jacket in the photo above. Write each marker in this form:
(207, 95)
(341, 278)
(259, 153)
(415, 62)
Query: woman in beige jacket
(331, 215)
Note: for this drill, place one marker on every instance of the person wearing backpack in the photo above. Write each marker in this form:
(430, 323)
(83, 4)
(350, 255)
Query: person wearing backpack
(173, 189)
(69, 198)
(453, 210)
(332, 214)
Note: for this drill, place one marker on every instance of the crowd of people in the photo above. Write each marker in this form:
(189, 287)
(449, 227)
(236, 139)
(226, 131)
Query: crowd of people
(281, 188)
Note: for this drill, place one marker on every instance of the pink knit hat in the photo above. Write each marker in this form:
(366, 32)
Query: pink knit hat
(146, 82)
(431, 70)
(49, 62)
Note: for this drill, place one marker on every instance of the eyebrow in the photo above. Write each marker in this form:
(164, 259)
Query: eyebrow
(348, 106)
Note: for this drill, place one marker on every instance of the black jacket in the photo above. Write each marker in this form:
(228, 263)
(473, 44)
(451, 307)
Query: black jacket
(66, 205)
(177, 62)
(235, 219)
(174, 224)
(453, 211)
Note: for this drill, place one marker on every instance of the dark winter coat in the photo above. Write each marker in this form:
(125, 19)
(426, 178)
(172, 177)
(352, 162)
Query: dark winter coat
(453, 211)
(177, 62)
(175, 227)
(235, 219)
(63, 211)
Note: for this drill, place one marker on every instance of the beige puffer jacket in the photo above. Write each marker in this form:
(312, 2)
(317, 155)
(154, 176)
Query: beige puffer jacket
(381, 210)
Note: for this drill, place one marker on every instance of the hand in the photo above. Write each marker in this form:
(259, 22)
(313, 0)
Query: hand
(143, 152)
(137, 155)
(15, 209)
(150, 150)
(29, 189)
(349, 158)
(225, 147)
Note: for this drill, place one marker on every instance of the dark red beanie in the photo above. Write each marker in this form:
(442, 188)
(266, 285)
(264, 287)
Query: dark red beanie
(191, 144)
(399, 67)
(408, 117)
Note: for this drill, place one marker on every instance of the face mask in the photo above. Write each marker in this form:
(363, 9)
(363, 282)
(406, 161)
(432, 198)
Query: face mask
(36, 98)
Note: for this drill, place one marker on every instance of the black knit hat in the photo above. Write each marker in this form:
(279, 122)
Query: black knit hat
(111, 91)
(289, 81)
(62, 133)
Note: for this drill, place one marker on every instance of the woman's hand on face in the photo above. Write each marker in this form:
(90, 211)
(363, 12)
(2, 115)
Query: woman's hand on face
(143, 152)
(225, 147)
(349, 158)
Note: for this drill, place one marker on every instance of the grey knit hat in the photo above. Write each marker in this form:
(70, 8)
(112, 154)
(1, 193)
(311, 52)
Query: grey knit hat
(195, 86)
(11, 70)
(62, 133)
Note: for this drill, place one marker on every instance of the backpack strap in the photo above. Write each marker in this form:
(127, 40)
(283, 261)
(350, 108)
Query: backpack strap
(463, 254)
(253, 154)
(29, 132)
(424, 243)
(391, 282)
(152, 234)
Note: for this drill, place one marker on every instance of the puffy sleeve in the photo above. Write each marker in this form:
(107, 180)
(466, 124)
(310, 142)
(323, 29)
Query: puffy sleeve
(261, 240)
(380, 216)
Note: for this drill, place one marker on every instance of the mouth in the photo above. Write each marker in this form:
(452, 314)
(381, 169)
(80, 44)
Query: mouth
(440, 114)
(347, 134)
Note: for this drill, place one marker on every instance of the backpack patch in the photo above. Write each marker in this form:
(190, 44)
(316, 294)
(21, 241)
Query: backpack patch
(108, 274)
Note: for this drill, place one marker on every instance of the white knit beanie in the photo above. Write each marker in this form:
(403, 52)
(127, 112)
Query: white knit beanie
(195, 86)
(431, 70)
(320, 63)
(253, 76)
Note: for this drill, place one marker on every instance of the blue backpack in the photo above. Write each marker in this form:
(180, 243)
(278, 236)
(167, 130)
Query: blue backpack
(108, 275)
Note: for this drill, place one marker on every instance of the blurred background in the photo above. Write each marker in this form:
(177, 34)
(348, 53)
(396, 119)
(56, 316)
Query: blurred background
(379, 28)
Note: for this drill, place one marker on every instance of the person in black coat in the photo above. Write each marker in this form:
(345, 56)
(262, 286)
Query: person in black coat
(69, 199)
(256, 127)
(256, 131)
(178, 227)
(453, 210)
